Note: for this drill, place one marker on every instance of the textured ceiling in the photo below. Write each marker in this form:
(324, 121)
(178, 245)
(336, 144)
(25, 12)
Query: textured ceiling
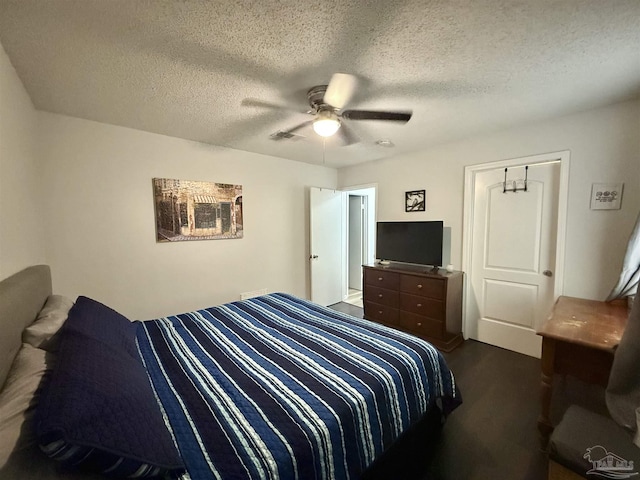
(183, 68)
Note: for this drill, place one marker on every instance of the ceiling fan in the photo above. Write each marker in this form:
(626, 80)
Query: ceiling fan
(327, 104)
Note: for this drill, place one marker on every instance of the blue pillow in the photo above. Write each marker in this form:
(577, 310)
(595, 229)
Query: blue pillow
(97, 410)
(97, 321)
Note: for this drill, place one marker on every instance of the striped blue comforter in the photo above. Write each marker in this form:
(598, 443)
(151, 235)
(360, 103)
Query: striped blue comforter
(276, 387)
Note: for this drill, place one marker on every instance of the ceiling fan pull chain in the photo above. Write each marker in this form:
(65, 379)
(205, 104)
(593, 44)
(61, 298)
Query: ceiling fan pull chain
(324, 144)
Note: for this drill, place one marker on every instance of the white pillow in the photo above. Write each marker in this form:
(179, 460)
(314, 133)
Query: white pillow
(20, 456)
(17, 402)
(41, 333)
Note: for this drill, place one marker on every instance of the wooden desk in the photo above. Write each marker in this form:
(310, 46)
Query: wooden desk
(578, 339)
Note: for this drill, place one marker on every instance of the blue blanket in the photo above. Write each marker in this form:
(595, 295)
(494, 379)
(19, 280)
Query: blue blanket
(276, 387)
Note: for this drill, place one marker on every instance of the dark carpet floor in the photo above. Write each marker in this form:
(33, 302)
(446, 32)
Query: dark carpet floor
(493, 434)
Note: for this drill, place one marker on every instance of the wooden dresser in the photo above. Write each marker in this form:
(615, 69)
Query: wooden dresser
(417, 300)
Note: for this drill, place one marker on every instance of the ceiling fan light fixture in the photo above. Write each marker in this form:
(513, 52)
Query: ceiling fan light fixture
(326, 123)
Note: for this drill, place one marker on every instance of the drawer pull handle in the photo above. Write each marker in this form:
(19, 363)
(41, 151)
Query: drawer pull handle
(419, 285)
(380, 312)
(379, 295)
(419, 305)
(379, 279)
(419, 324)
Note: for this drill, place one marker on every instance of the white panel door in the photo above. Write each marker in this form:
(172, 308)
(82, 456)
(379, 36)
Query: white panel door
(513, 255)
(326, 215)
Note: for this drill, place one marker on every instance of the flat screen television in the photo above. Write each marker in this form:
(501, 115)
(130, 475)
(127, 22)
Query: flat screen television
(410, 242)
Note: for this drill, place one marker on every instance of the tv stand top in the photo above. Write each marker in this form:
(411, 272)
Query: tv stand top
(410, 268)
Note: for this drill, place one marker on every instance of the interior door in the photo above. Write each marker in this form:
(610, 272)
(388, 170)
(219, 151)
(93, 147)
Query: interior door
(513, 255)
(327, 212)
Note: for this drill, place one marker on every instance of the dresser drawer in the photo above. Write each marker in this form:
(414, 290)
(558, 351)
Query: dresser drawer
(422, 306)
(381, 313)
(382, 296)
(421, 325)
(380, 278)
(425, 287)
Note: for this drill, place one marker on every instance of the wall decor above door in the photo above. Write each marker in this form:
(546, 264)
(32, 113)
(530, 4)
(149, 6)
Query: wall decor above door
(414, 201)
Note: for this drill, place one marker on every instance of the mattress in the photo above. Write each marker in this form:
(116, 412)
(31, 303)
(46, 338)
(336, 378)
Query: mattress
(276, 387)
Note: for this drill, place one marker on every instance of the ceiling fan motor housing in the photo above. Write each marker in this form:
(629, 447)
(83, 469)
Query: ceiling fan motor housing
(315, 96)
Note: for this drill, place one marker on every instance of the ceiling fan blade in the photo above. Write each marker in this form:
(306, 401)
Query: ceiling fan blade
(340, 90)
(254, 102)
(403, 117)
(288, 133)
(299, 126)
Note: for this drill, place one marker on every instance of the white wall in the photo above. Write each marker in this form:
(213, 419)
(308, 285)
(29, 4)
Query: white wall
(101, 227)
(21, 233)
(605, 147)
(77, 194)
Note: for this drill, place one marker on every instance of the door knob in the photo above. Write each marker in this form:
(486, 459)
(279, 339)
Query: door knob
(548, 273)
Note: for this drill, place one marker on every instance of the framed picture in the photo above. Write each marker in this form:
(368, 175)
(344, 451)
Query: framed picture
(194, 210)
(606, 196)
(414, 201)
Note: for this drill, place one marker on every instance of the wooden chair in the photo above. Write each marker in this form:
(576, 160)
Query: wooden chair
(558, 472)
(584, 437)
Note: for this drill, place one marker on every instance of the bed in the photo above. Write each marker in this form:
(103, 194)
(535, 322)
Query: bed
(273, 387)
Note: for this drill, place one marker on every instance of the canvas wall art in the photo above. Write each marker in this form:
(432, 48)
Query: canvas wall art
(606, 196)
(414, 201)
(193, 210)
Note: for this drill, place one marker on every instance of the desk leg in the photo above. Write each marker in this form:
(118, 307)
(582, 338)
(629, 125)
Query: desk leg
(544, 422)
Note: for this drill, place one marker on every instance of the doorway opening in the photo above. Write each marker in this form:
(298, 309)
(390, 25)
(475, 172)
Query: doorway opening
(332, 267)
(360, 230)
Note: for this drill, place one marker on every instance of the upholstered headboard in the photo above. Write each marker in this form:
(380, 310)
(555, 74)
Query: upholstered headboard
(22, 296)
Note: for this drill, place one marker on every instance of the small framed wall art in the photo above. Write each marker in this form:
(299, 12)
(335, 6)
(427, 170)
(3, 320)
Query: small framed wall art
(414, 201)
(606, 196)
